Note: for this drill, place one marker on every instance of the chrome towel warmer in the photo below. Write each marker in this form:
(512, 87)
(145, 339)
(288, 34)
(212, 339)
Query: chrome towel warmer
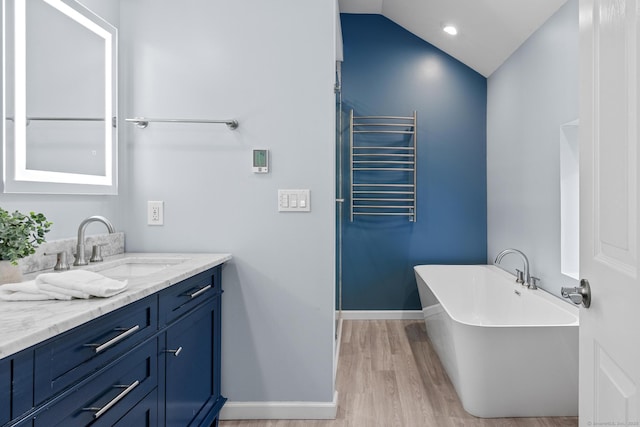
(382, 152)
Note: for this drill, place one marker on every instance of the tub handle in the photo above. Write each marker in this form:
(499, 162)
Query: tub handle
(580, 294)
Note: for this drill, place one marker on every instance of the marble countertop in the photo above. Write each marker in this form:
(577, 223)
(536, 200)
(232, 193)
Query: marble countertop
(26, 323)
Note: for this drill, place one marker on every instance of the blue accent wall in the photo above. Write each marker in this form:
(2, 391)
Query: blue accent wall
(389, 71)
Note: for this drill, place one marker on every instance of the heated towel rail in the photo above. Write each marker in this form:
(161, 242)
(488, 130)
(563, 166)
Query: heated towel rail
(383, 165)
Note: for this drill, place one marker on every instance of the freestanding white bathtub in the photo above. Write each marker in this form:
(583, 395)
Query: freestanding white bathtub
(509, 351)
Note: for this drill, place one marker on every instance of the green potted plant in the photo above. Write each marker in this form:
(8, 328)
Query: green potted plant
(20, 235)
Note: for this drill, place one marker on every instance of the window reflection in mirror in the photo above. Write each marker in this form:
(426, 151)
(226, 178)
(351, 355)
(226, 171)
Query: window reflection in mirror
(61, 81)
(570, 199)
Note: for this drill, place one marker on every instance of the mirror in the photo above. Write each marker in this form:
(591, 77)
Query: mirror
(59, 103)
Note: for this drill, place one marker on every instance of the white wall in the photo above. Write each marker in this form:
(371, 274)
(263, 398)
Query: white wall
(529, 97)
(271, 66)
(66, 212)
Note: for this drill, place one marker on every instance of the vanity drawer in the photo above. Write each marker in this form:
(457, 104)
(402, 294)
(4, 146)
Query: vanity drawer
(77, 353)
(105, 398)
(186, 295)
(144, 414)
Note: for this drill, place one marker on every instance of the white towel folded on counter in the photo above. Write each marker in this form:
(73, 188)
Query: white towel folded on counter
(63, 286)
(80, 284)
(25, 291)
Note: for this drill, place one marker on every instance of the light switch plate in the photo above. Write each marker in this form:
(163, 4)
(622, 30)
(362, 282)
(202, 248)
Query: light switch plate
(294, 201)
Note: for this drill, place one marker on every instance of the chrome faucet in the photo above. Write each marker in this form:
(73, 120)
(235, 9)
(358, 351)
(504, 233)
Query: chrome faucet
(80, 259)
(528, 279)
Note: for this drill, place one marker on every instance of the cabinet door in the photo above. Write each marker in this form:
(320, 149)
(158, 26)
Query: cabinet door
(5, 391)
(190, 365)
(16, 386)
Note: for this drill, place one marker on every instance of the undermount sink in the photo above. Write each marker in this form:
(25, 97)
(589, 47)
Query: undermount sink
(135, 267)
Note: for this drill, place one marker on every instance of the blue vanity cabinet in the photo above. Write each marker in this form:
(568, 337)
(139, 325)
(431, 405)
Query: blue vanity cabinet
(191, 348)
(154, 362)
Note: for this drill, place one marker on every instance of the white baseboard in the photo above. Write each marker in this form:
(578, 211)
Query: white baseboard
(382, 314)
(280, 410)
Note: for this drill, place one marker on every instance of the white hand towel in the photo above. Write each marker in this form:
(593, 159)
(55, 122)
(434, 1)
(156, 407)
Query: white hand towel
(28, 291)
(62, 286)
(78, 283)
(70, 293)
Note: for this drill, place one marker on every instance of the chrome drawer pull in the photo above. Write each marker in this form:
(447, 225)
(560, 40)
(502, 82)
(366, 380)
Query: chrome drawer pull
(127, 389)
(114, 340)
(199, 292)
(175, 352)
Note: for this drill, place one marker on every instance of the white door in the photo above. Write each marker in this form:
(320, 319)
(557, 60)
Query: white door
(609, 220)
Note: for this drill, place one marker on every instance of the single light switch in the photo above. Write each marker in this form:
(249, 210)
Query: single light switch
(293, 200)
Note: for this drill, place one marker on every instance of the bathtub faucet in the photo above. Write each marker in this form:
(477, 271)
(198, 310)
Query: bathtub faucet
(527, 278)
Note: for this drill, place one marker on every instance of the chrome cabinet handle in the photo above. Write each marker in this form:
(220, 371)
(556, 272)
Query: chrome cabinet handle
(127, 389)
(580, 294)
(175, 352)
(199, 292)
(114, 340)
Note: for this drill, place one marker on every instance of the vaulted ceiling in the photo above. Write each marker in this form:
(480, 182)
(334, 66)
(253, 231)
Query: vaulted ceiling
(489, 31)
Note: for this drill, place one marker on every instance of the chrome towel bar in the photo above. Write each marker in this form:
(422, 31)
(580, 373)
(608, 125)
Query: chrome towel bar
(143, 122)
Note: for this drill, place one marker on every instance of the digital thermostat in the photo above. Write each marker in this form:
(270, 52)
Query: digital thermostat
(260, 161)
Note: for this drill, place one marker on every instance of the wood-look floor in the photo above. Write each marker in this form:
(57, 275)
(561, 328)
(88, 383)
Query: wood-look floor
(389, 375)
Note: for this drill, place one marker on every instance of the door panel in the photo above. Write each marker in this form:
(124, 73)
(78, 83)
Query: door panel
(615, 390)
(609, 342)
(614, 62)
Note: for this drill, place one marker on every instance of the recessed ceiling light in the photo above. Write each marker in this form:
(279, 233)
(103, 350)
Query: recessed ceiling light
(450, 29)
